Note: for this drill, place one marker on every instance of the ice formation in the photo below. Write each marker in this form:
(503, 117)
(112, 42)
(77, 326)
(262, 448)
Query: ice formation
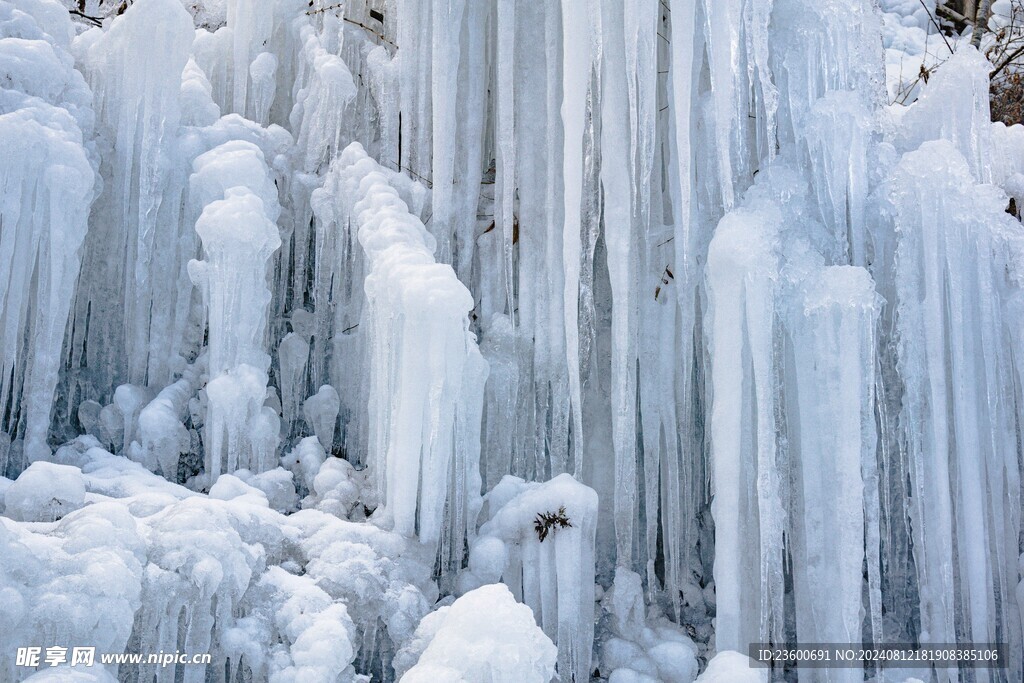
(695, 323)
(552, 570)
(239, 237)
(48, 180)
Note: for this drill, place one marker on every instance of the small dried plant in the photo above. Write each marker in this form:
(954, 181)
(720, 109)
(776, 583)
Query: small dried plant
(548, 522)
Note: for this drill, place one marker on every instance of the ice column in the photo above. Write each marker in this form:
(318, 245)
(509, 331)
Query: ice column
(424, 362)
(833, 337)
(576, 72)
(239, 237)
(446, 25)
(661, 415)
(338, 301)
(956, 369)
(132, 260)
(46, 187)
(741, 272)
(619, 225)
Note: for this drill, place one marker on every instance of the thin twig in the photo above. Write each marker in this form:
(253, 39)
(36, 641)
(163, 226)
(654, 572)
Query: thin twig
(95, 20)
(1006, 62)
(370, 30)
(366, 28)
(935, 23)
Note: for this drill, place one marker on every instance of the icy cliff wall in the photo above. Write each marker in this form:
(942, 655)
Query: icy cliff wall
(710, 267)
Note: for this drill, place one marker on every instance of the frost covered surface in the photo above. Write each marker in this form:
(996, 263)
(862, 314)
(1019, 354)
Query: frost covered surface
(332, 331)
(235, 575)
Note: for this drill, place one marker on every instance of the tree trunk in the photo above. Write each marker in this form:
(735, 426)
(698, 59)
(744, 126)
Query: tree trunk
(981, 22)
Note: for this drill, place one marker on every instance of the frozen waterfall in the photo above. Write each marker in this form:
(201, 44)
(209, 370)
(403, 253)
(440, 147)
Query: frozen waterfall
(695, 323)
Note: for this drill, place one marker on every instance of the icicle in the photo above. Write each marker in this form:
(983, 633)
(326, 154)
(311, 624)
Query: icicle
(640, 20)
(505, 145)
(757, 16)
(838, 137)
(622, 268)
(132, 260)
(251, 24)
(414, 79)
(832, 332)
(550, 372)
(576, 70)
(822, 47)
(239, 237)
(292, 356)
(465, 482)
(742, 267)
(724, 19)
(46, 187)
(446, 27)
(683, 276)
(472, 97)
(499, 348)
(319, 114)
(263, 74)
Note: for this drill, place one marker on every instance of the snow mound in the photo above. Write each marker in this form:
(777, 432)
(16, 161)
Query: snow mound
(730, 666)
(44, 493)
(483, 637)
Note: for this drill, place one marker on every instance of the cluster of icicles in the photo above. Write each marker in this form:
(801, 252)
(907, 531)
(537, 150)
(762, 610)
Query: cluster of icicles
(711, 275)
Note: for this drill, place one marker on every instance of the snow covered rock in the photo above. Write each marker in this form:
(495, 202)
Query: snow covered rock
(638, 650)
(67, 674)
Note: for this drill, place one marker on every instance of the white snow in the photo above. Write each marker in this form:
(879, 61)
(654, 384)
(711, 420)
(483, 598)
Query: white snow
(485, 636)
(484, 340)
(729, 666)
(44, 492)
